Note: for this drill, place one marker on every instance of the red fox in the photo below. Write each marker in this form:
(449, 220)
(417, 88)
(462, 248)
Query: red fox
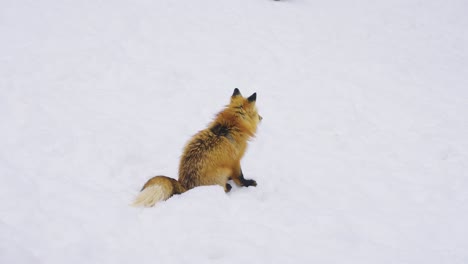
(212, 156)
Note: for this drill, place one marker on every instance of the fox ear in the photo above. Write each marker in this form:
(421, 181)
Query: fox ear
(236, 93)
(252, 98)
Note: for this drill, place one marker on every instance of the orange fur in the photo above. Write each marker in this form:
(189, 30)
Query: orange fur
(213, 155)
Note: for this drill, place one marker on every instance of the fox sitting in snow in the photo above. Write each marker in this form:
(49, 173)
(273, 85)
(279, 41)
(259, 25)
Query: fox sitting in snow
(212, 156)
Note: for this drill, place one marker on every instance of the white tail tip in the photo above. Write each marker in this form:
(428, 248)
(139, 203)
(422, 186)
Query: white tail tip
(150, 196)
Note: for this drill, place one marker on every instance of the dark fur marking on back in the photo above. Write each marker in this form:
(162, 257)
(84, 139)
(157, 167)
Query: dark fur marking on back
(220, 130)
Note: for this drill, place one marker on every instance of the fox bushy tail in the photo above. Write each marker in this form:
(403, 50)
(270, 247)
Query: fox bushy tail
(156, 189)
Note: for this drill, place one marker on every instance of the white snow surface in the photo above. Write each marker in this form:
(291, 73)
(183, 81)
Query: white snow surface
(362, 155)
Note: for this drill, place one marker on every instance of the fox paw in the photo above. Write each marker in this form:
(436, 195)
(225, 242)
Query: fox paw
(228, 187)
(248, 183)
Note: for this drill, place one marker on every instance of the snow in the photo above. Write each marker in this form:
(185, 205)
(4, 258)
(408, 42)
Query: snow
(361, 156)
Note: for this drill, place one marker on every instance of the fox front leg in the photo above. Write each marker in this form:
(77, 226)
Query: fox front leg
(246, 182)
(238, 178)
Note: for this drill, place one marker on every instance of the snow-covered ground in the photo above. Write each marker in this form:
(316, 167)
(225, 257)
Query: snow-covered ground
(362, 156)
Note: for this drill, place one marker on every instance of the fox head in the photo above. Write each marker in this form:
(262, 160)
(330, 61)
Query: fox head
(245, 108)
